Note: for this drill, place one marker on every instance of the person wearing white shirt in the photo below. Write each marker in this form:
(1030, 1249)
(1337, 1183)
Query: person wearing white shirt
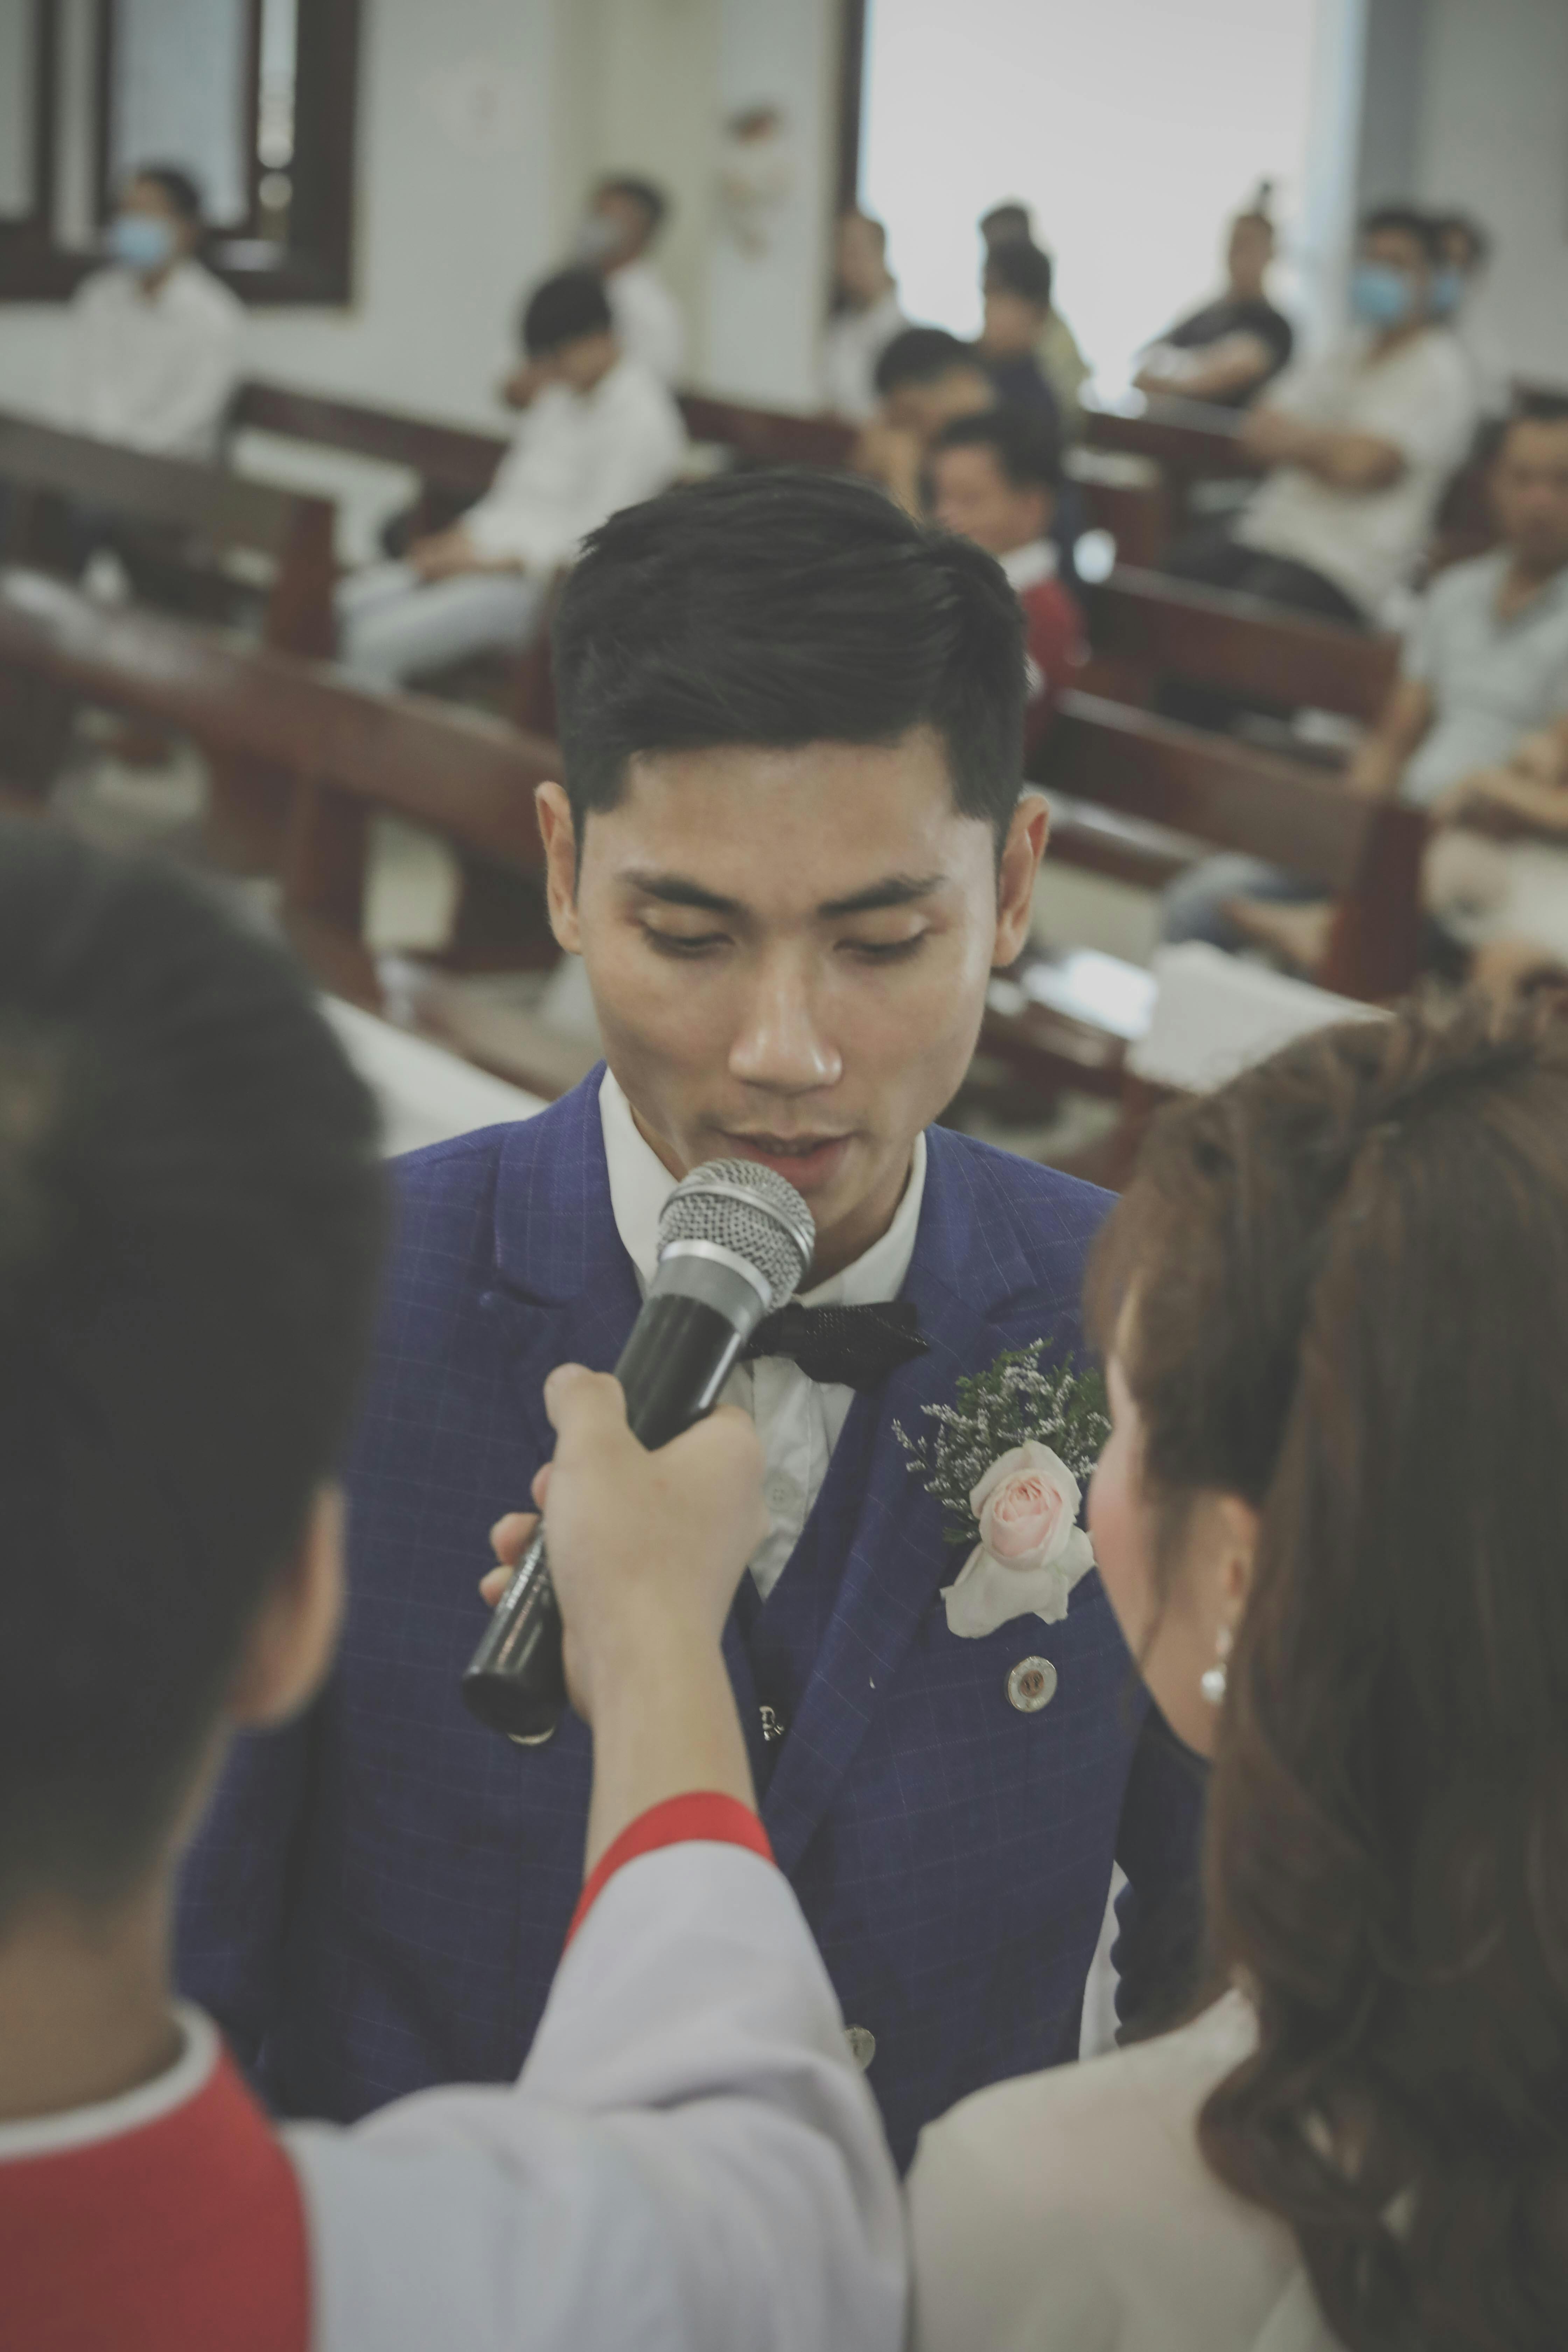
(689, 2161)
(599, 433)
(1360, 445)
(866, 316)
(153, 349)
(623, 222)
(1334, 1303)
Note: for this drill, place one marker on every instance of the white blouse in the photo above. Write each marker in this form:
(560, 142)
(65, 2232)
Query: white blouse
(1071, 2211)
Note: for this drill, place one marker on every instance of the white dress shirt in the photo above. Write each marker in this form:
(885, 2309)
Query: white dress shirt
(1071, 2211)
(576, 460)
(689, 2162)
(798, 1421)
(647, 320)
(853, 344)
(1422, 398)
(153, 371)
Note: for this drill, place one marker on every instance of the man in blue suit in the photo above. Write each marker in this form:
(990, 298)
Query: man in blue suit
(790, 846)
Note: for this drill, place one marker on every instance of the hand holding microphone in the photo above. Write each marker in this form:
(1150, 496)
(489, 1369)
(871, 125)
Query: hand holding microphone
(645, 1549)
(734, 1240)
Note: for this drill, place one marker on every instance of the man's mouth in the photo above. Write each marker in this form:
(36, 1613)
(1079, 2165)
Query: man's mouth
(809, 1161)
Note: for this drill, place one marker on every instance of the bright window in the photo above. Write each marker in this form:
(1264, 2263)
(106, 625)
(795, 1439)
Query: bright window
(1134, 127)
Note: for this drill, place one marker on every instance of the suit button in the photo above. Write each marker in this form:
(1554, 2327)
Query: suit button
(862, 2044)
(1032, 1684)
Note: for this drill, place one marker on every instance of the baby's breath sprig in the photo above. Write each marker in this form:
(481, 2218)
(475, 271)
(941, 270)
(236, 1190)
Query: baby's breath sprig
(997, 1409)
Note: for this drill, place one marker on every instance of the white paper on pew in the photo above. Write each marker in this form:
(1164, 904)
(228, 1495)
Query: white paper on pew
(425, 1094)
(1215, 1015)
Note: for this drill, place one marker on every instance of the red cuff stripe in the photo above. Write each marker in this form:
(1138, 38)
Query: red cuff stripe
(702, 1818)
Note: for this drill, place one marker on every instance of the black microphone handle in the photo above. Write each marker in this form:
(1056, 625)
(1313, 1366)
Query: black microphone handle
(680, 1353)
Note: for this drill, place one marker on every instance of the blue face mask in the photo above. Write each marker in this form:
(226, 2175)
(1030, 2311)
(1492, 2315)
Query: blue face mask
(1381, 295)
(139, 241)
(1448, 292)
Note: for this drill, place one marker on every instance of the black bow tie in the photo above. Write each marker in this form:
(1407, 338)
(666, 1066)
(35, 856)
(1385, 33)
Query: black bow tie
(847, 1347)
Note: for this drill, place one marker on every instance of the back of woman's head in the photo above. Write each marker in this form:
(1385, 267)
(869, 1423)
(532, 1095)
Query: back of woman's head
(1346, 1286)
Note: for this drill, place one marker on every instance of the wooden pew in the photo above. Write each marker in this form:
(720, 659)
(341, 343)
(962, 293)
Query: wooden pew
(1067, 1021)
(1144, 627)
(350, 754)
(1188, 441)
(212, 518)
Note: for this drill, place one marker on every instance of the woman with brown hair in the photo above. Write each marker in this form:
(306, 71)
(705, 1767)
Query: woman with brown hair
(1333, 1518)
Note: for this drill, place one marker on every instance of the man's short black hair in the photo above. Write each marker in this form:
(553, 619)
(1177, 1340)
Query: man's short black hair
(563, 311)
(1538, 408)
(1024, 444)
(1011, 222)
(182, 190)
(1406, 220)
(1021, 270)
(922, 355)
(190, 1231)
(652, 199)
(786, 607)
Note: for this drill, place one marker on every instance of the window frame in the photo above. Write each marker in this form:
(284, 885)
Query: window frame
(317, 264)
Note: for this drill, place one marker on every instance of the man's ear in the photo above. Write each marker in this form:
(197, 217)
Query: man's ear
(291, 1643)
(1021, 854)
(555, 813)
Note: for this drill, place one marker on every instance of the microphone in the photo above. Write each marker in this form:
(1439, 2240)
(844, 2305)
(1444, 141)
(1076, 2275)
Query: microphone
(734, 1241)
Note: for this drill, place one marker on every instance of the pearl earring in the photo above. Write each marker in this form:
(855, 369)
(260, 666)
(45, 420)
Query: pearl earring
(1212, 1681)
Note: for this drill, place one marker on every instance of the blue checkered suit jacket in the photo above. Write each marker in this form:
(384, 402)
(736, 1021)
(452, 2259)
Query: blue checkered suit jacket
(380, 1894)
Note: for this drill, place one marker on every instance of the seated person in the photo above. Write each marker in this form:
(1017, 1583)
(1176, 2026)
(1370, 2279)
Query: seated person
(1066, 369)
(924, 378)
(623, 223)
(1329, 1516)
(1358, 446)
(1485, 662)
(153, 352)
(1226, 351)
(191, 1215)
(599, 431)
(1496, 878)
(1465, 248)
(866, 315)
(1016, 289)
(994, 479)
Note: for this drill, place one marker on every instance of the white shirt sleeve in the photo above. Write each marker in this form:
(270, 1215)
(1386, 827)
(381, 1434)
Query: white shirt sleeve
(691, 2161)
(575, 463)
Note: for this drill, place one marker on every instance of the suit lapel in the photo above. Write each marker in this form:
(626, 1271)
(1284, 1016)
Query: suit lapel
(879, 1519)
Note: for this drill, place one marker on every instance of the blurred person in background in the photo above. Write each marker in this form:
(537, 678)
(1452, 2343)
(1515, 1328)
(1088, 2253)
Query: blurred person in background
(1333, 1304)
(924, 378)
(1066, 370)
(599, 431)
(1484, 664)
(623, 220)
(866, 315)
(1231, 348)
(1359, 447)
(153, 353)
(1015, 286)
(995, 479)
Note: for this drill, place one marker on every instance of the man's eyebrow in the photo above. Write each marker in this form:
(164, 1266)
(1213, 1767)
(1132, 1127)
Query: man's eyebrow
(678, 890)
(897, 890)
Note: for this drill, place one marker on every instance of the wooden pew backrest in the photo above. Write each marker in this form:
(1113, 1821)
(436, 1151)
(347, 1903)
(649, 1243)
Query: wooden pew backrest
(1144, 626)
(446, 456)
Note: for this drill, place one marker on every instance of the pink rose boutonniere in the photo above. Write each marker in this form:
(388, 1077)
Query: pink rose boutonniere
(1006, 1461)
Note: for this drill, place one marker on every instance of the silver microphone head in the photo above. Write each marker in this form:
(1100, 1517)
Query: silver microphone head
(750, 1210)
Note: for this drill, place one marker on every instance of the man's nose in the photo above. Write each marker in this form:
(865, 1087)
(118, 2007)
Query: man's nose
(780, 1043)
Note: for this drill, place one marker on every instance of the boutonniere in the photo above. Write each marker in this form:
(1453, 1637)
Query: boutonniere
(1005, 1462)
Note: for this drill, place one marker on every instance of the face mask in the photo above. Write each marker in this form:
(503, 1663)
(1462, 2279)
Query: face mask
(596, 237)
(1381, 295)
(1448, 292)
(139, 241)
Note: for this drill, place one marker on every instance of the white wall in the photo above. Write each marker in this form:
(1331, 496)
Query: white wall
(1493, 137)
